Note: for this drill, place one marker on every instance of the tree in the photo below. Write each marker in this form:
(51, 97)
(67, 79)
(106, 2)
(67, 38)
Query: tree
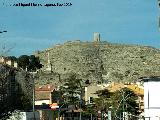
(12, 58)
(34, 63)
(103, 103)
(3, 98)
(89, 111)
(123, 100)
(23, 61)
(72, 89)
(23, 102)
(4, 49)
(30, 62)
(72, 93)
(11, 95)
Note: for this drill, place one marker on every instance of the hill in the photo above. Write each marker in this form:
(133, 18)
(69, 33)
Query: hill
(98, 61)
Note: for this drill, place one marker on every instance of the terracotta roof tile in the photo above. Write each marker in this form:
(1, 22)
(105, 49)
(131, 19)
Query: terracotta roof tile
(44, 88)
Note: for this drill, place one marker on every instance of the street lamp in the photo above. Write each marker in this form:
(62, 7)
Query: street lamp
(3, 31)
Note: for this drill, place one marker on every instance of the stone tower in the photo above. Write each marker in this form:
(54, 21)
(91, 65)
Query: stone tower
(96, 37)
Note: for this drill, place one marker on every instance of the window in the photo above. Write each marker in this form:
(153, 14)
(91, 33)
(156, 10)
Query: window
(90, 100)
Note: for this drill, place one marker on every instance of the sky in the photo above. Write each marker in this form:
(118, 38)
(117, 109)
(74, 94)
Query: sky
(33, 28)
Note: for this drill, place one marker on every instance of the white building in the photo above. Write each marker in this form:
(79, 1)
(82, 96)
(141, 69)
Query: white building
(43, 94)
(5, 60)
(152, 98)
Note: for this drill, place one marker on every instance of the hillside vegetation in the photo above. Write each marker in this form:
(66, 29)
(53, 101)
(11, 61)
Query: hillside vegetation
(99, 61)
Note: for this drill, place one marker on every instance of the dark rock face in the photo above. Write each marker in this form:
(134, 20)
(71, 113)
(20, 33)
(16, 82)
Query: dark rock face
(99, 61)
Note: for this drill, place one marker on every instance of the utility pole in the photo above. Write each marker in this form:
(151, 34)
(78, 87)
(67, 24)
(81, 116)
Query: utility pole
(91, 116)
(59, 110)
(80, 115)
(123, 106)
(33, 97)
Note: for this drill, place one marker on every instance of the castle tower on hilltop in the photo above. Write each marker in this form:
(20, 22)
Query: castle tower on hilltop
(96, 37)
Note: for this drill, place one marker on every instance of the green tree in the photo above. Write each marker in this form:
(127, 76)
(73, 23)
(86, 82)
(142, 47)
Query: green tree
(123, 100)
(72, 89)
(11, 96)
(89, 111)
(30, 62)
(23, 102)
(23, 61)
(12, 58)
(103, 102)
(34, 63)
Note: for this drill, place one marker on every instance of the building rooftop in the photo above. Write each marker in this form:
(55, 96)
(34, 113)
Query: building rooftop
(43, 92)
(151, 78)
(44, 88)
(117, 86)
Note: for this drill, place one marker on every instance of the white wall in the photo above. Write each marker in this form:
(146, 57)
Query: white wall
(24, 116)
(40, 102)
(2, 59)
(152, 99)
(15, 64)
(9, 62)
(90, 92)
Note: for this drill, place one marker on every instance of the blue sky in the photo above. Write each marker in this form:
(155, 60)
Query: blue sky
(118, 21)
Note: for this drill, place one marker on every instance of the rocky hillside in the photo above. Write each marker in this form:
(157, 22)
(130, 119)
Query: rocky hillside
(99, 61)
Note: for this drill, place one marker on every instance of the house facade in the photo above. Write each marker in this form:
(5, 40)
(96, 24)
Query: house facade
(43, 94)
(90, 93)
(151, 98)
(5, 60)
